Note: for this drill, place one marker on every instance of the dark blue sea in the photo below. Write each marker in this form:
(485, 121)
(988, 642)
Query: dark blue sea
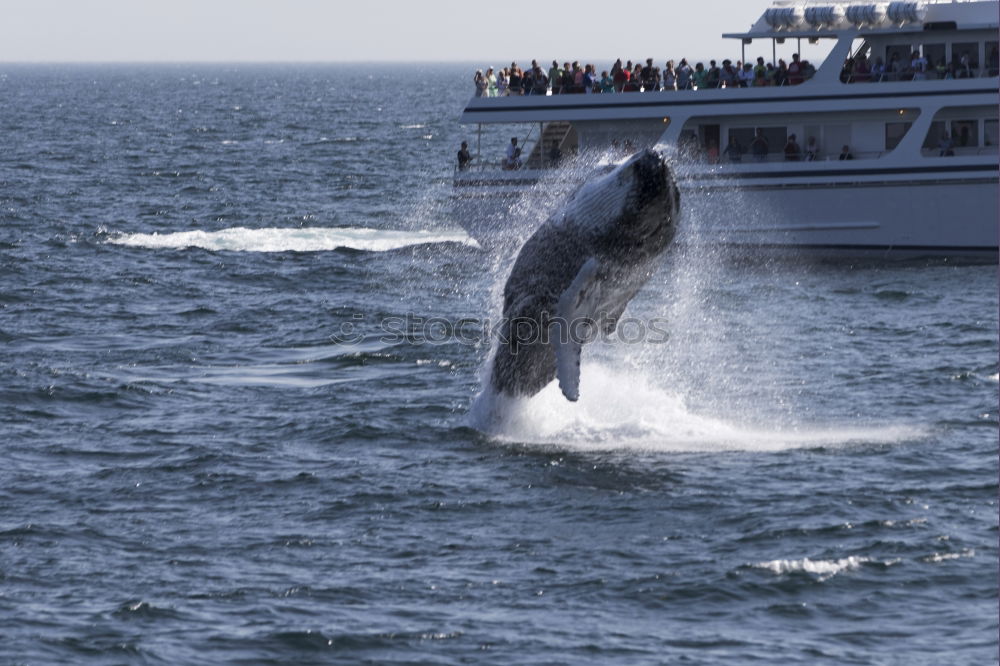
(240, 336)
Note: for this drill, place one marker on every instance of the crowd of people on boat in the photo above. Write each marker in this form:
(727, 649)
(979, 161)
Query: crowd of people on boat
(917, 67)
(570, 78)
(577, 78)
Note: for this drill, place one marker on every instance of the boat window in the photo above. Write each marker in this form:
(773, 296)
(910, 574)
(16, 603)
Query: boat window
(835, 136)
(742, 136)
(687, 143)
(776, 138)
(859, 47)
(992, 58)
(709, 136)
(934, 135)
(965, 59)
(965, 133)
(990, 133)
(935, 54)
(894, 133)
(901, 52)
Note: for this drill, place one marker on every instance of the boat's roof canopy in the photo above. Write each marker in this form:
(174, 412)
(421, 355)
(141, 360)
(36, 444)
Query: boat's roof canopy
(835, 18)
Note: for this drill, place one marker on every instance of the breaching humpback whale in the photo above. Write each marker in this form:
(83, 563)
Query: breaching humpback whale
(574, 276)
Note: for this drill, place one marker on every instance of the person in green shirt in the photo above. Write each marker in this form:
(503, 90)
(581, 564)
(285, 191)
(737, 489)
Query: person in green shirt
(555, 77)
(760, 69)
(491, 83)
(607, 83)
(699, 76)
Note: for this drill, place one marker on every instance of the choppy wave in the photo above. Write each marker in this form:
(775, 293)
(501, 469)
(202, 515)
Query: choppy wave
(310, 239)
(823, 569)
(620, 410)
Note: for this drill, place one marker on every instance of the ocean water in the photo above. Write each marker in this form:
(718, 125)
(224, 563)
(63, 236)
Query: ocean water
(240, 338)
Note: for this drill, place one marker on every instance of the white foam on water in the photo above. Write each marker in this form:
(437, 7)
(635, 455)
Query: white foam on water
(823, 569)
(937, 558)
(308, 239)
(622, 410)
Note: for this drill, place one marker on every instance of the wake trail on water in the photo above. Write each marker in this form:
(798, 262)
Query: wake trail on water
(310, 239)
(625, 410)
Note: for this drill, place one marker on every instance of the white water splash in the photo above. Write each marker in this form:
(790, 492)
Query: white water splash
(726, 354)
(822, 569)
(619, 410)
(309, 239)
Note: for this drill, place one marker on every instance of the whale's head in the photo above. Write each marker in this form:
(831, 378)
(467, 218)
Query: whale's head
(636, 204)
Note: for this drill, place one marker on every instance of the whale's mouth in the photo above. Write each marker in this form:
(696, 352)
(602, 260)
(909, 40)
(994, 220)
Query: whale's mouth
(655, 198)
(652, 178)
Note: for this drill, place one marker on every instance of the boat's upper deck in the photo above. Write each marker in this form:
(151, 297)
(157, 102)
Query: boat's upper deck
(939, 46)
(903, 82)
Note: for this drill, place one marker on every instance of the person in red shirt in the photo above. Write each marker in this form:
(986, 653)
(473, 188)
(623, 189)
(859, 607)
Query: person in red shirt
(619, 76)
(795, 71)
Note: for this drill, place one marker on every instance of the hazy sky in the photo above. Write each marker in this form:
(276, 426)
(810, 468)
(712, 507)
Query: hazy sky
(489, 33)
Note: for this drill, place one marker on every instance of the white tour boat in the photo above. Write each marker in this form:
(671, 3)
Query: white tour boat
(917, 116)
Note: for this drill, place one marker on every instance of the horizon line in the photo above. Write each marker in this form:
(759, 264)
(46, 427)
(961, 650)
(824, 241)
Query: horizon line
(310, 62)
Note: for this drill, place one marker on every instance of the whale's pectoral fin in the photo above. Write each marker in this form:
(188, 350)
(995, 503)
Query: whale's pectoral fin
(574, 324)
(568, 368)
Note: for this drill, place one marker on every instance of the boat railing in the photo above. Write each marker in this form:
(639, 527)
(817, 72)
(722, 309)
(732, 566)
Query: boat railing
(495, 167)
(480, 164)
(930, 75)
(497, 170)
(960, 151)
(847, 78)
(779, 157)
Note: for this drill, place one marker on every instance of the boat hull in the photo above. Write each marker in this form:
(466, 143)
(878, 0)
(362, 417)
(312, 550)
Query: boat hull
(897, 215)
